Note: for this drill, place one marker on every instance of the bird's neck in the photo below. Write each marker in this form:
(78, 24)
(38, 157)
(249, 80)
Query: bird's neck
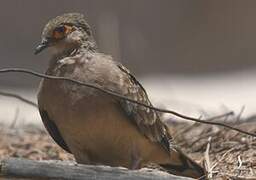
(88, 46)
(69, 50)
(84, 47)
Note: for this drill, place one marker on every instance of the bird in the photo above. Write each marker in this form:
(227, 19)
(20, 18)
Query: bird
(96, 127)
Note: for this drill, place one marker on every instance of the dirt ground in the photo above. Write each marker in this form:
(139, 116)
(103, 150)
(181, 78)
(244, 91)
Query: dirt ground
(225, 153)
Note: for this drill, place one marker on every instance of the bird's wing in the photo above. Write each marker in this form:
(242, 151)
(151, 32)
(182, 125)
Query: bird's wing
(147, 120)
(53, 130)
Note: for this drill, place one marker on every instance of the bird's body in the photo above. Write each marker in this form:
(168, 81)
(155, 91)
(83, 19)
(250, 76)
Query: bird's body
(99, 128)
(102, 127)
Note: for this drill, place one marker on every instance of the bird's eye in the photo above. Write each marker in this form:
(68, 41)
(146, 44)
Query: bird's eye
(61, 31)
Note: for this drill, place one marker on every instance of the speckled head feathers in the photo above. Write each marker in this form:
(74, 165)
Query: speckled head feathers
(75, 19)
(65, 33)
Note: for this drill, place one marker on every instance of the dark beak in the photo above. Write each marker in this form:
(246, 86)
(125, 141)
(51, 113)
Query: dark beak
(44, 44)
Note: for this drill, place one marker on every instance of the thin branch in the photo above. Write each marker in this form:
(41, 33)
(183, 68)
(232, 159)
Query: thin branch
(34, 73)
(18, 97)
(207, 159)
(240, 162)
(240, 114)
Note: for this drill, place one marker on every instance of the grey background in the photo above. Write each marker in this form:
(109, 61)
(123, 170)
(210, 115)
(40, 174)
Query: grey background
(192, 56)
(148, 36)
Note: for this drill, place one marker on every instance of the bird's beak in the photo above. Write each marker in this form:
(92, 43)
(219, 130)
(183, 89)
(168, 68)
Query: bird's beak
(44, 44)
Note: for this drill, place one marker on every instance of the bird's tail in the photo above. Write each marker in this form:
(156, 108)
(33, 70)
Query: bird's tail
(182, 165)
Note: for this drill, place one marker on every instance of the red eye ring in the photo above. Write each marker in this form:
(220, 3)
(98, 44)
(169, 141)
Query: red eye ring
(61, 31)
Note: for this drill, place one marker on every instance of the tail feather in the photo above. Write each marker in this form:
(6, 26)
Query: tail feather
(182, 165)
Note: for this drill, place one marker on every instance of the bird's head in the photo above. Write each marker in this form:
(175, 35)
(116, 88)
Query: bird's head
(65, 33)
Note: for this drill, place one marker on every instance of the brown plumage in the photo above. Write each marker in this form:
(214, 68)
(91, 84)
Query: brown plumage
(99, 128)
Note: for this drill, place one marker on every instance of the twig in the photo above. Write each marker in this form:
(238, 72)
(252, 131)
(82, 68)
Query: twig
(240, 163)
(18, 97)
(240, 114)
(207, 160)
(34, 73)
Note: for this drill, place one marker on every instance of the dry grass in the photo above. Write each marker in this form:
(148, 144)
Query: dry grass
(225, 153)
(29, 142)
(231, 155)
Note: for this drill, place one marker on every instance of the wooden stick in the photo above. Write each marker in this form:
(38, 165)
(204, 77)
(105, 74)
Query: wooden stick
(16, 168)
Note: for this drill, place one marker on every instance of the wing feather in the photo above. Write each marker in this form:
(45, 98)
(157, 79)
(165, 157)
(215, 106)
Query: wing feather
(53, 130)
(146, 119)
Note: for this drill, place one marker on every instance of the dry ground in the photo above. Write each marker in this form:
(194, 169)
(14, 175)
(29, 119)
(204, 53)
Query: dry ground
(226, 154)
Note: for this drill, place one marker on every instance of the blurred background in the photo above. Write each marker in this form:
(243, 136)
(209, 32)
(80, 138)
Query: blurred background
(195, 57)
